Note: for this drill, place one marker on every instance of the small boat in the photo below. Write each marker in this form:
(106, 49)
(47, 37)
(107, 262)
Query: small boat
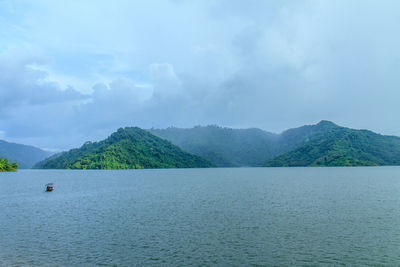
(49, 187)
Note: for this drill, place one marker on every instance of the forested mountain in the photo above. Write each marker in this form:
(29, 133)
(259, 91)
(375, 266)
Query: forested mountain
(6, 166)
(25, 156)
(340, 146)
(322, 144)
(292, 138)
(128, 148)
(225, 147)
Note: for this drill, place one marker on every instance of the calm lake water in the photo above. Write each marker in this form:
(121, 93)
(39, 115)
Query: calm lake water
(209, 217)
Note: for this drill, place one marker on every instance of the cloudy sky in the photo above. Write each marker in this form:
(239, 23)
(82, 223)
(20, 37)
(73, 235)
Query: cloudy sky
(72, 71)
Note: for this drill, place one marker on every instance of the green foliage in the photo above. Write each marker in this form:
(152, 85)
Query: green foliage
(323, 144)
(225, 147)
(128, 148)
(6, 166)
(339, 146)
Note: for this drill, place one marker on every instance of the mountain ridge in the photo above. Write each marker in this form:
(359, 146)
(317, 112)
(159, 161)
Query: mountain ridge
(127, 148)
(342, 146)
(24, 155)
(225, 147)
(269, 150)
(322, 144)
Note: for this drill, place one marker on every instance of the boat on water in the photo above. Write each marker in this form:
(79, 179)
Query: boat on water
(49, 187)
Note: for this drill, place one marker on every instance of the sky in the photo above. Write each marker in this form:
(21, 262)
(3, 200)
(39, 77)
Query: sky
(73, 71)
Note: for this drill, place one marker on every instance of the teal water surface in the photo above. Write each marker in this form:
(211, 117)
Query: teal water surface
(194, 217)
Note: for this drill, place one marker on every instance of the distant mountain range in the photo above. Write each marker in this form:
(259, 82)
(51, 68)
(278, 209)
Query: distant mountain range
(322, 144)
(225, 147)
(128, 148)
(25, 156)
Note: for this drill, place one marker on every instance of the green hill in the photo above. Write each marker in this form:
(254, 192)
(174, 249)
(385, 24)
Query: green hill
(6, 166)
(25, 156)
(225, 147)
(322, 144)
(340, 146)
(292, 138)
(128, 148)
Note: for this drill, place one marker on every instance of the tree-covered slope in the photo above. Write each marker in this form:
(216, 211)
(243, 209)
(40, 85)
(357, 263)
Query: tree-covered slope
(292, 138)
(339, 146)
(322, 144)
(25, 156)
(128, 148)
(6, 166)
(225, 147)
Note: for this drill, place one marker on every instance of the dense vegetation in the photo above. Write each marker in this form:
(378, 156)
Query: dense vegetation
(226, 147)
(25, 156)
(339, 146)
(128, 148)
(6, 166)
(322, 144)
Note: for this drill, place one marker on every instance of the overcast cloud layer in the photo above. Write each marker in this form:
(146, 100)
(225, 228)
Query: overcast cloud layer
(72, 71)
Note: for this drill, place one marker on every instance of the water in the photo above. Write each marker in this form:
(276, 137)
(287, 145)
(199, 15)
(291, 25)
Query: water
(209, 217)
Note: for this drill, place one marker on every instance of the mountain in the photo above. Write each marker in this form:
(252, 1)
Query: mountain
(333, 145)
(322, 144)
(225, 147)
(25, 156)
(6, 166)
(292, 138)
(128, 148)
